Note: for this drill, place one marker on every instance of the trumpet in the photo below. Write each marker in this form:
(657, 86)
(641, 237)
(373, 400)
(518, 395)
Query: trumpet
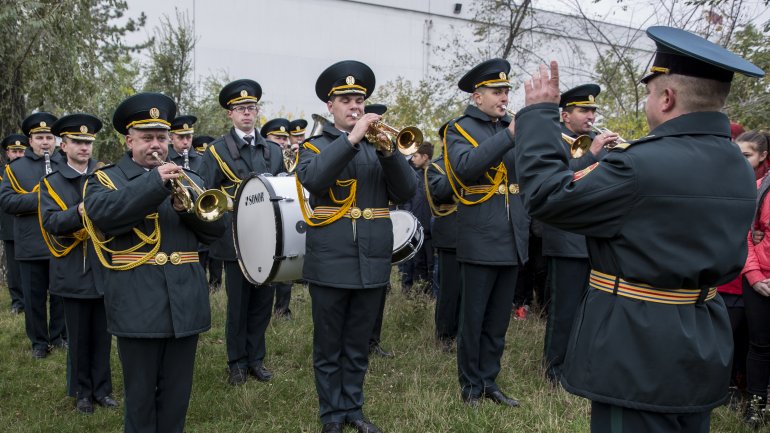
(611, 144)
(578, 146)
(208, 205)
(289, 159)
(407, 139)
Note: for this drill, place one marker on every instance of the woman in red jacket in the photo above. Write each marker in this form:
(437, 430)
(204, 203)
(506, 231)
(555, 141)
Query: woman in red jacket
(756, 285)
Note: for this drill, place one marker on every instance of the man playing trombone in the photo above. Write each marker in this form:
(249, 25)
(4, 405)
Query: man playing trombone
(349, 239)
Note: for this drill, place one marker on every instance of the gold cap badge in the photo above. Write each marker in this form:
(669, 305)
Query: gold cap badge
(18, 143)
(83, 129)
(154, 113)
(591, 98)
(43, 124)
(244, 93)
(283, 129)
(350, 80)
(185, 126)
(503, 76)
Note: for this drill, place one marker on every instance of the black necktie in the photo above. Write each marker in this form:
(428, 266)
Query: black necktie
(248, 139)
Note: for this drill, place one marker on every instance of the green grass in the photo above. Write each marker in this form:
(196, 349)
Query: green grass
(416, 391)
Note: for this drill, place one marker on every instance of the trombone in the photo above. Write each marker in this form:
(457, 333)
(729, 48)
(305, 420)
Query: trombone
(209, 205)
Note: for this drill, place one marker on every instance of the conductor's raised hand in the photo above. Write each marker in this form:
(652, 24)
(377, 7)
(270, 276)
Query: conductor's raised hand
(543, 86)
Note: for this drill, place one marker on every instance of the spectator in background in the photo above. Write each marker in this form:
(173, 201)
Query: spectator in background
(754, 147)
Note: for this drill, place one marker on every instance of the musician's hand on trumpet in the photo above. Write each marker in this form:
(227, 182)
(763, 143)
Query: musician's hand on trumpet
(512, 125)
(362, 125)
(604, 140)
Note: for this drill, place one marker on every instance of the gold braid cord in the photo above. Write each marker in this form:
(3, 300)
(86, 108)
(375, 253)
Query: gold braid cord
(55, 246)
(501, 176)
(15, 183)
(437, 212)
(100, 244)
(227, 172)
(345, 204)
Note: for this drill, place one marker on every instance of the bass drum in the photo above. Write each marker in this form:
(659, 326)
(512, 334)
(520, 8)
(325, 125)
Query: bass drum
(407, 236)
(268, 229)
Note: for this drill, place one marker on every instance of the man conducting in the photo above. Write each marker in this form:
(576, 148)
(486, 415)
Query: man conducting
(651, 346)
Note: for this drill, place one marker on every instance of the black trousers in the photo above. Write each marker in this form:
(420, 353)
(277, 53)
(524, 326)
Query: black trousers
(249, 308)
(419, 269)
(89, 348)
(214, 267)
(485, 312)
(41, 329)
(568, 282)
(737, 312)
(758, 360)
(607, 418)
(448, 301)
(376, 336)
(13, 276)
(282, 297)
(158, 375)
(342, 324)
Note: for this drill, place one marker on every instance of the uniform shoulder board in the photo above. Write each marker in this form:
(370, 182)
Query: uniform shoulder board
(310, 146)
(103, 167)
(621, 146)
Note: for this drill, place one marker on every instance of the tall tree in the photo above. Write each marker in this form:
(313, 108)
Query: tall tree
(58, 54)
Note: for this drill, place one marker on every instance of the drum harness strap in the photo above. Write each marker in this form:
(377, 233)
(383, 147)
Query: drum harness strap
(100, 244)
(57, 248)
(236, 155)
(500, 178)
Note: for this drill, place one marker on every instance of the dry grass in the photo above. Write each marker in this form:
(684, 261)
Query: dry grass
(416, 391)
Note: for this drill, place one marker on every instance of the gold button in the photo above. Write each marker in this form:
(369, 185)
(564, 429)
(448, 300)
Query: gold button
(175, 258)
(513, 188)
(355, 212)
(501, 189)
(161, 259)
(368, 213)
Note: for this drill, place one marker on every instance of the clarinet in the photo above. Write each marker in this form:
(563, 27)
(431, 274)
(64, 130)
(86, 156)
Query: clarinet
(47, 157)
(186, 155)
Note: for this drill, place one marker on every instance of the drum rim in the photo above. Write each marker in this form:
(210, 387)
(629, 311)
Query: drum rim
(279, 227)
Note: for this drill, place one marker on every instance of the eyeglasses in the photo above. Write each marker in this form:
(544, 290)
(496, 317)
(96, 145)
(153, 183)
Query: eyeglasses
(244, 108)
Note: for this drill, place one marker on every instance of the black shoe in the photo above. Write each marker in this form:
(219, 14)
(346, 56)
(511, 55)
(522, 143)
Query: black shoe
(376, 349)
(471, 400)
(39, 353)
(332, 427)
(237, 376)
(107, 401)
(261, 373)
(502, 399)
(60, 344)
(84, 405)
(17, 309)
(363, 425)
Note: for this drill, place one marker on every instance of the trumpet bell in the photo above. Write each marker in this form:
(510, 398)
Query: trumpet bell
(579, 145)
(212, 205)
(408, 140)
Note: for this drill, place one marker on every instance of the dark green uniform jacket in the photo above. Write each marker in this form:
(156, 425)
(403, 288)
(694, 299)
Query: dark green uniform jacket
(72, 276)
(444, 229)
(252, 160)
(489, 235)
(561, 243)
(6, 219)
(671, 210)
(150, 301)
(28, 171)
(194, 157)
(333, 256)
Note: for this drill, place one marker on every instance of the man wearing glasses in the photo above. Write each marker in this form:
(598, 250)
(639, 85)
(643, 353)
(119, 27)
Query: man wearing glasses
(229, 160)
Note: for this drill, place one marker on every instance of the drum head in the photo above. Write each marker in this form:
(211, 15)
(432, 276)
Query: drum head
(404, 227)
(256, 224)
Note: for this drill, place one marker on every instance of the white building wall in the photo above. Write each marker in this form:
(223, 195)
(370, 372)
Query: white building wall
(285, 44)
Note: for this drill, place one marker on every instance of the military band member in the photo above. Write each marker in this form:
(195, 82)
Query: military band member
(443, 205)
(277, 131)
(181, 151)
(155, 292)
(213, 266)
(349, 239)
(568, 265)
(74, 263)
(19, 196)
(13, 147)
(297, 129)
(651, 346)
(493, 242)
(228, 161)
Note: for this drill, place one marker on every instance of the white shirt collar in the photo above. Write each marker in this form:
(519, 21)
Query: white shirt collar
(78, 171)
(242, 134)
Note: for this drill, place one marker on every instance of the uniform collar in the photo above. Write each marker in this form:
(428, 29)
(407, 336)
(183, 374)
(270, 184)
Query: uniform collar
(698, 123)
(568, 132)
(70, 173)
(130, 168)
(258, 140)
(331, 130)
